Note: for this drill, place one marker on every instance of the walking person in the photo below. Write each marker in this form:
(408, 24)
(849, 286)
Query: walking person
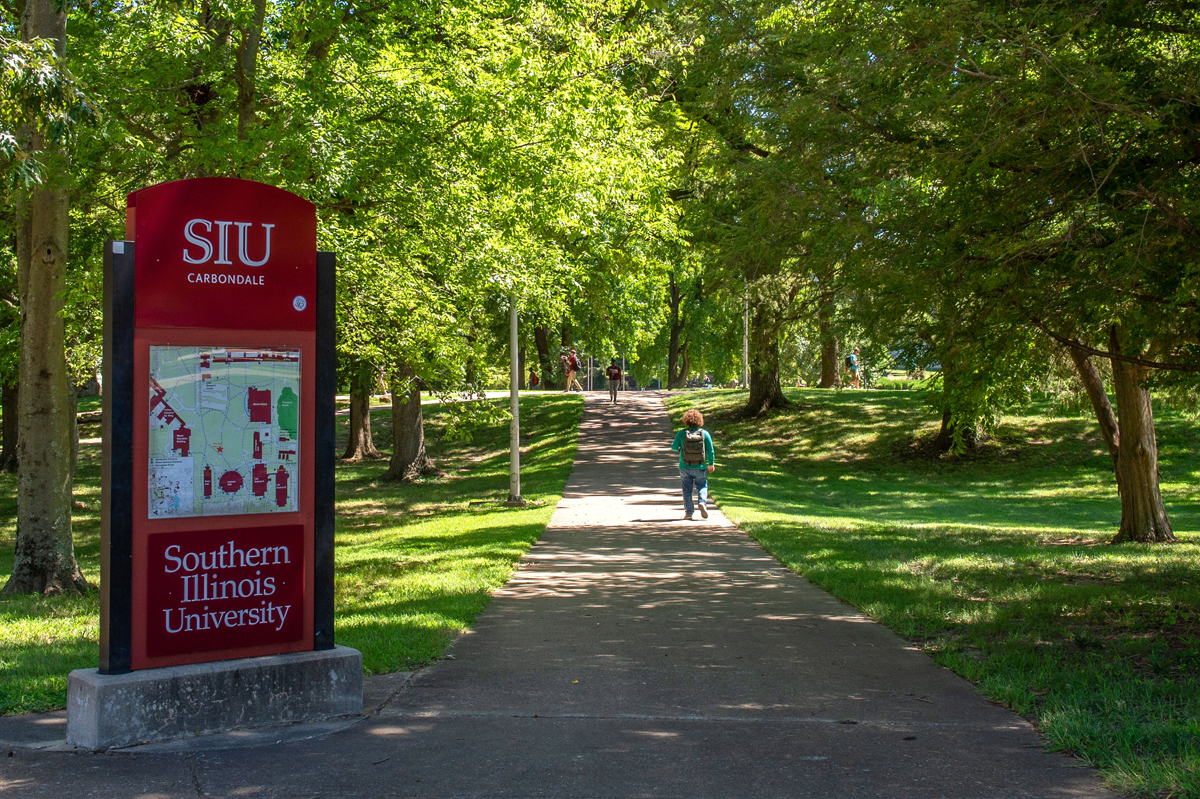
(852, 367)
(696, 457)
(534, 380)
(613, 372)
(573, 367)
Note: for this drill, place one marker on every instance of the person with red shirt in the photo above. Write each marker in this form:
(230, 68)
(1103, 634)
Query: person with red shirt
(573, 367)
(613, 372)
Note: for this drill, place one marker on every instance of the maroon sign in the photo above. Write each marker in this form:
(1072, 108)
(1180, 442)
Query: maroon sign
(220, 589)
(220, 324)
(223, 253)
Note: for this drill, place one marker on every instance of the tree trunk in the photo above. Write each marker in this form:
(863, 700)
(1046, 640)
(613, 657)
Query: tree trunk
(1101, 406)
(521, 369)
(969, 438)
(44, 559)
(361, 444)
(679, 365)
(945, 437)
(247, 68)
(541, 337)
(766, 391)
(831, 367)
(409, 460)
(470, 371)
(1143, 515)
(678, 362)
(8, 407)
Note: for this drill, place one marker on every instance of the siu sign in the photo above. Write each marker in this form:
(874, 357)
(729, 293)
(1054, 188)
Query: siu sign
(218, 414)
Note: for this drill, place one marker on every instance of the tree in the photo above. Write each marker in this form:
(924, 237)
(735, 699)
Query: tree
(831, 366)
(678, 362)
(409, 459)
(1044, 174)
(44, 559)
(360, 444)
(1038, 160)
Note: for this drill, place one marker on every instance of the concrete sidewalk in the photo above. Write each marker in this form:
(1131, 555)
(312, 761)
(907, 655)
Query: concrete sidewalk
(633, 654)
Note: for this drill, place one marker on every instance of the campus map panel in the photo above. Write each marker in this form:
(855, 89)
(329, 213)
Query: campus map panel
(224, 431)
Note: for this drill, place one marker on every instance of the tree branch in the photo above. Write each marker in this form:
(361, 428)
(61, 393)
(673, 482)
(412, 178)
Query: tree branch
(740, 146)
(1076, 344)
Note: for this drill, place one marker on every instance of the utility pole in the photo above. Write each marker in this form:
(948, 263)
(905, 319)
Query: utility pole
(746, 338)
(514, 427)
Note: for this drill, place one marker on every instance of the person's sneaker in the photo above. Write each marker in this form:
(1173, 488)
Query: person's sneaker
(687, 517)
(703, 512)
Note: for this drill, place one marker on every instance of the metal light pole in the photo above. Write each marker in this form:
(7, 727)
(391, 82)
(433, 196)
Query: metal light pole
(746, 339)
(514, 427)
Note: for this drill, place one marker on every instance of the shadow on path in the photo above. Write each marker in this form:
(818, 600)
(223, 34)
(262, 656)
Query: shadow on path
(632, 655)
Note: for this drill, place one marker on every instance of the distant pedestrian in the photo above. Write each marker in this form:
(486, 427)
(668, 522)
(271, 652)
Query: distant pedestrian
(534, 380)
(696, 457)
(573, 367)
(852, 367)
(613, 373)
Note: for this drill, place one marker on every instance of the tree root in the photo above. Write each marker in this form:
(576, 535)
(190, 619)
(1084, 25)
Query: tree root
(53, 584)
(421, 467)
(359, 456)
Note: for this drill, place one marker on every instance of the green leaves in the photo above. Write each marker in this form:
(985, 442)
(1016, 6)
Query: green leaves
(41, 106)
(456, 153)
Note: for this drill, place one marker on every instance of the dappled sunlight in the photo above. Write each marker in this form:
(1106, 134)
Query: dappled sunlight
(416, 562)
(396, 729)
(1042, 472)
(997, 562)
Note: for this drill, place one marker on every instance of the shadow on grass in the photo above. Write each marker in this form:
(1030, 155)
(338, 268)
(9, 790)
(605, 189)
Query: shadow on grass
(996, 563)
(415, 563)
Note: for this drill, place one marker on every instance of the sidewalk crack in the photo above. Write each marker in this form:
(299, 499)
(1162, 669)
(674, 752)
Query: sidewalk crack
(191, 761)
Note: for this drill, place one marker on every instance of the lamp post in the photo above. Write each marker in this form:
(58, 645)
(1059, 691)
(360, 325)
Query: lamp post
(514, 427)
(746, 338)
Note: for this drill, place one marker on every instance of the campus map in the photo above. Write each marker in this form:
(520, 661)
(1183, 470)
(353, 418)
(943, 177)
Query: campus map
(224, 431)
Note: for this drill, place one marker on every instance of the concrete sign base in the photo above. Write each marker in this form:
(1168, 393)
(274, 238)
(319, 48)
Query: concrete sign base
(105, 711)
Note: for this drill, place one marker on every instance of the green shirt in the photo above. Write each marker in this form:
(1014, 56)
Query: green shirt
(709, 455)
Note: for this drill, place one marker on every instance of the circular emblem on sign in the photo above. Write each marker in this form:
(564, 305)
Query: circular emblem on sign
(299, 303)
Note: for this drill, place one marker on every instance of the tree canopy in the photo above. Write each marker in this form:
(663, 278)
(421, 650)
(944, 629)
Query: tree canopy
(987, 189)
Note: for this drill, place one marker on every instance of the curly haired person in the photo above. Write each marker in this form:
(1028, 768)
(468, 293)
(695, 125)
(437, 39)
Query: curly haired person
(696, 457)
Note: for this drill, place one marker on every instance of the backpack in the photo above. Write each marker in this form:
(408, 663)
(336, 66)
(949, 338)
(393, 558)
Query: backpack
(693, 447)
(849, 361)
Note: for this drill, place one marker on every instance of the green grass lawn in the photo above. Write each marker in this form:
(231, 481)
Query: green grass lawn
(996, 563)
(415, 563)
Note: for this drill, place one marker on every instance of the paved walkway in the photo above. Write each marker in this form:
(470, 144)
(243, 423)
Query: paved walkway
(633, 655)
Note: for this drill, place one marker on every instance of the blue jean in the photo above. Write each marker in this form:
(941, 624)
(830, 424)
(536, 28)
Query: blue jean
(697, 478)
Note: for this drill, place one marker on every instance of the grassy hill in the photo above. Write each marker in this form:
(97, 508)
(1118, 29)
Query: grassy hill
(996, 563)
